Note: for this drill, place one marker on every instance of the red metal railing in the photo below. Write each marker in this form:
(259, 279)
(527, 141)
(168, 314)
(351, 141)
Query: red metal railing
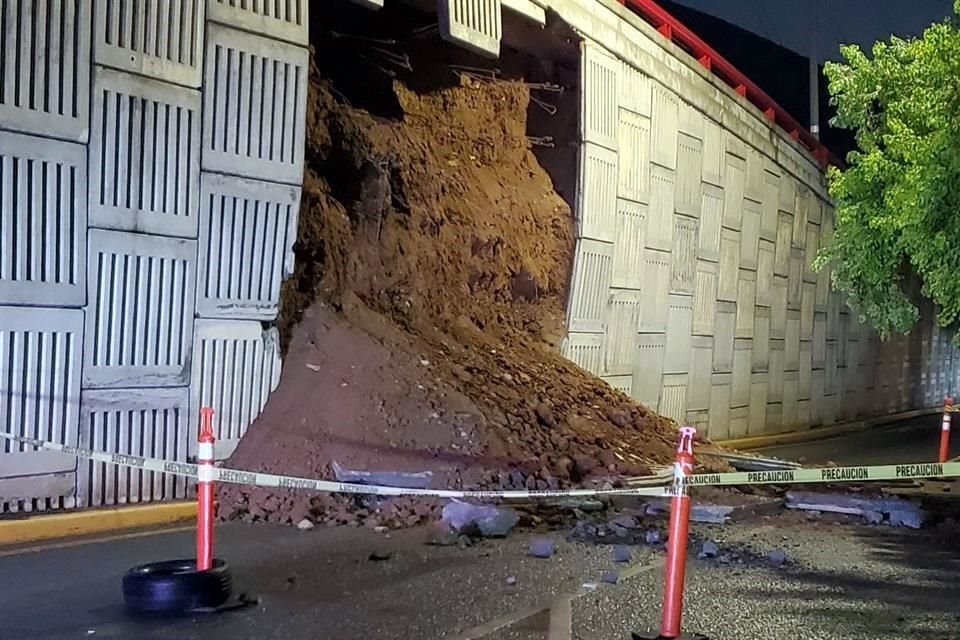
(672, 29)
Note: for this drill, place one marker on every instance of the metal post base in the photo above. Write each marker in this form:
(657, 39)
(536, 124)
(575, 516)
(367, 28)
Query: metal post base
(655, 635)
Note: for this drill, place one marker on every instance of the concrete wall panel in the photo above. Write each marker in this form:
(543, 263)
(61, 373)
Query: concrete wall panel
(775, 390)
(599, 95)
(246, 246)
(586, 350)
(144, 162)
(765, 257)
(139, 317)
(683, 277)
(43, 221)
(673, 401)
(734, 185)
(286, 20)
(778, 308)
(589, 290)
(758, 404)
(633, 161)
(679, 324)
(720, 391)
(746, 296)
(597, 193)
(621, 347)
(740, 386)
(729, 265)
(473, 24)
(761, 339)
(50, 99)
(701, 369)
(254, 129)
(635, 91)
(631, 234)
(713, 154)
(666, 126)
(724, 331)
(739, 422)
(656, 297)
(705, 298)
(689, 175)
(710, 222)
(648, 369)
(770, 209)
(162, 40)
(662, 206)
(750, 235)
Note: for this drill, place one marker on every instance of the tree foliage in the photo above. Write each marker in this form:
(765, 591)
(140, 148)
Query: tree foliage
(898, 199)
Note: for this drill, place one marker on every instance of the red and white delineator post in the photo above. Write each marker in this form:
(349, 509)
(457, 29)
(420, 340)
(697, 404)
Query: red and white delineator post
(205, 503)
(944, 453)
(672, 611)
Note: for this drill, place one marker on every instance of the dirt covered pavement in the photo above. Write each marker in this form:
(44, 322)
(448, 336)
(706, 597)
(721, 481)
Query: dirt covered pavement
(423, 323)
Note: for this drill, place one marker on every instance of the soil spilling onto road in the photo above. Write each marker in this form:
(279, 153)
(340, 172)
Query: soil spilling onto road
(422, 325)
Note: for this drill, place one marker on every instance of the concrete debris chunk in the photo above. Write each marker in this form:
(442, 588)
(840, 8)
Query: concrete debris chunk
(403, 479)
(777, 558)
(709, 549)
(304, 525)
(610, 577)
(622, 553)
(481, 520)
(895, 511)
(652, 537)
(542, 548)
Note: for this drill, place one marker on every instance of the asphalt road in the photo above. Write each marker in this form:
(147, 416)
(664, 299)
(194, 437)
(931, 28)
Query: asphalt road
(844, 581)
(916, 440)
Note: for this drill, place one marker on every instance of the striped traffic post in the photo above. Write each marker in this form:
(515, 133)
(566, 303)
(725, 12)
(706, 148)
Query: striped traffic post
(205, 476)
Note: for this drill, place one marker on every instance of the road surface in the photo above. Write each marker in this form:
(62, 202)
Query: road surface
(916, 440)
(845, 582)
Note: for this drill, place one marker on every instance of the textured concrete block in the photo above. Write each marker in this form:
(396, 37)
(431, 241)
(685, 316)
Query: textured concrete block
(691, 121)
(739, 422)
(755, 176)
(701, 368)
(633, 161)
(805, 388)
(635, 90)
(43, 221)
(795, 279)
(597, 193)
(750, 235)
(599, 96)
(621, 347)
(810, 253)
(631, 235)
(673, 399)
(684, 255)
(623, 384)
(648, 369)
(770, 208)
(807, 298)
(666, 126)
(662, 206)
(705, 298)
(679, 324)
(144, 160)
(161, 40)
(790, 402)
(713, 153)
(724, 331)
(586, 350)
(791, 358)
(740, 387)
(720, 406)
(258, 134)
(758, 404)
(589, 287)
(765, 273)
(475, 25)
(781, 264)
(656, 297)
(711, 218)
(761, 339)
(746, 298)
(819, 340)
(734, 184)
(282, 20)
(689, 173)
(140, 309)
(729, 265)
(778, 308)
(46, 68)
(775, 372)
(800, 216)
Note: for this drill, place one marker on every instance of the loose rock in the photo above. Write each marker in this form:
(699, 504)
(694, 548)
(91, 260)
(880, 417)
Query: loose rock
(304, 525)
(709, 549)
(622, 553)
(542, 548)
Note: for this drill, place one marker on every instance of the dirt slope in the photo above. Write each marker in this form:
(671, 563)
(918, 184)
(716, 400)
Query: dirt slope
(424, 318)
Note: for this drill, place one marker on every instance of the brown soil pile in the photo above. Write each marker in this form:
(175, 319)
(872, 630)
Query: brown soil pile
(424, 317)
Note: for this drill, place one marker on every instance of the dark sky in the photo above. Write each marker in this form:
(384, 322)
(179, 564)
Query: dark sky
(791, 22)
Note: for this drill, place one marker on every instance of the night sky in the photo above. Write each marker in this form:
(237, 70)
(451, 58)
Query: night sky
(791, 22)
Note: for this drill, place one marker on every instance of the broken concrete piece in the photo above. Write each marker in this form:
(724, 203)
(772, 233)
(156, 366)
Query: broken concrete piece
(542, 548)
(610, 577)
(896, 511)
(304, 525)
(709, 549)
(652, 537)
(622, 553)
(625, 522)
(511, 581)
(484, 520)
(403, 479)
(777, 558)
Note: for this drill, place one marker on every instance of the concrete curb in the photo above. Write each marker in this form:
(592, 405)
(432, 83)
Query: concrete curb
(50, 526)
(821, 433)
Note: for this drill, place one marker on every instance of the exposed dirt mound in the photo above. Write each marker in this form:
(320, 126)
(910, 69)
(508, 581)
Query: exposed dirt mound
(424, 317)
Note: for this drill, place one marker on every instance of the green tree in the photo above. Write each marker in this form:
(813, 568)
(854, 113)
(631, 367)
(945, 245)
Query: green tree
(898, 199)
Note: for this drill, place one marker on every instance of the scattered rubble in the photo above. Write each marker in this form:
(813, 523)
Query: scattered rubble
(896, 512)
(407, 480)
(486, 521)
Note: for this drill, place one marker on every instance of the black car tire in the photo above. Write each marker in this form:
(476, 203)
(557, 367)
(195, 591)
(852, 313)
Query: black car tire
(176, 586)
